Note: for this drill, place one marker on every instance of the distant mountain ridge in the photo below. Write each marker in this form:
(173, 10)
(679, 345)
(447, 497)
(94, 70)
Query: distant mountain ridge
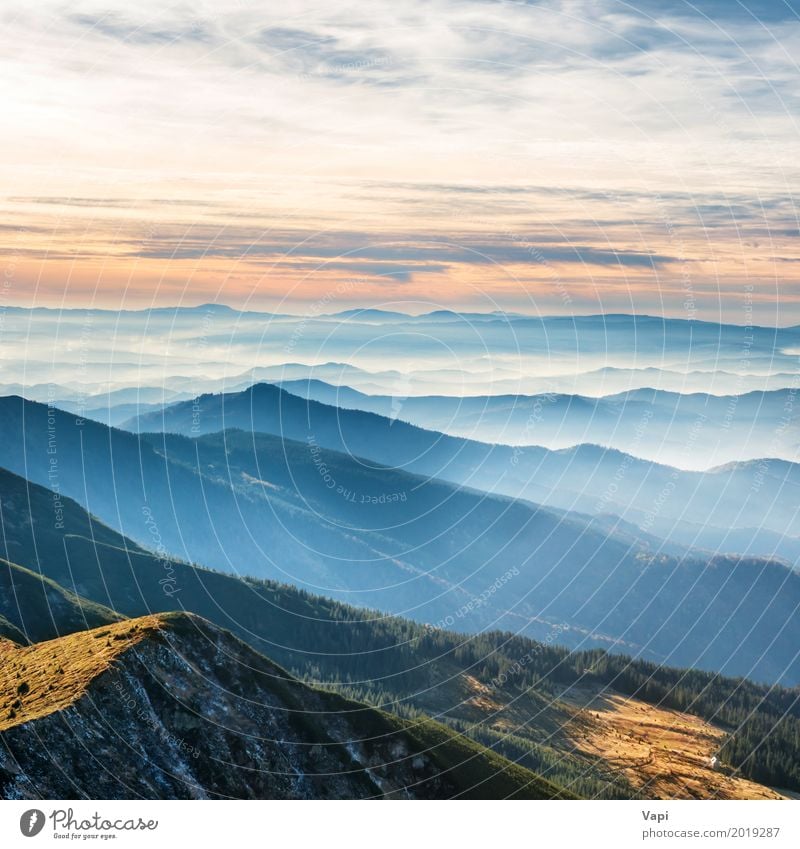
(691, 431)
(443, 353)
(585, 478)
(369, 312)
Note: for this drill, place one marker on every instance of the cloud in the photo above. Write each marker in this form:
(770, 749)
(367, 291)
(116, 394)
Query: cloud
(332, 246)
(394, 272)
(115, 26)
(110, 203)
(421, 137)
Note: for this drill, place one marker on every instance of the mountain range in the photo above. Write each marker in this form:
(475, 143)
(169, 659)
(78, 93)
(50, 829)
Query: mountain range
(383, 538)
(195, 707)
(694, 430)
(213, 348)
(744, 507)
(262, 556)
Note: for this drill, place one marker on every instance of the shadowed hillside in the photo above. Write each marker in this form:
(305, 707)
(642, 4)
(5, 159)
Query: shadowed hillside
(172, 707)
(749, 507)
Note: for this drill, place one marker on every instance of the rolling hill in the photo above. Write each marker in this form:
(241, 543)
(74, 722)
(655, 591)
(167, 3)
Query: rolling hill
(37, 608)
(658, 423)
(531, 701)
(171, 707)
(384, 539)
(748, 507)
(521, 352)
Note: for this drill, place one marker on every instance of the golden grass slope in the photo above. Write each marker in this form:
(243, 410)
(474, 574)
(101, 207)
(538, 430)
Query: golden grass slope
(47, 677)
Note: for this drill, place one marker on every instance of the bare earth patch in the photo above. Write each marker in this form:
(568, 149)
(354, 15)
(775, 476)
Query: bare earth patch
(663, 753)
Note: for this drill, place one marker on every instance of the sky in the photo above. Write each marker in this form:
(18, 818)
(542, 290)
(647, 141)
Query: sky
(551, 158)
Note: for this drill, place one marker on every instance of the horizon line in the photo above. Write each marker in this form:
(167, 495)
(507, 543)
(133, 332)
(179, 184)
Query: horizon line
(353, 312)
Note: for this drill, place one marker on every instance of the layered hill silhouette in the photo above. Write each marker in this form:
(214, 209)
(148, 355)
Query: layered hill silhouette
(747, 507)
(694, 430)
(35, 608)
(442, 555)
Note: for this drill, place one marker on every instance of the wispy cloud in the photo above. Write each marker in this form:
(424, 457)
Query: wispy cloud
(655, 141)
(117, 26)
